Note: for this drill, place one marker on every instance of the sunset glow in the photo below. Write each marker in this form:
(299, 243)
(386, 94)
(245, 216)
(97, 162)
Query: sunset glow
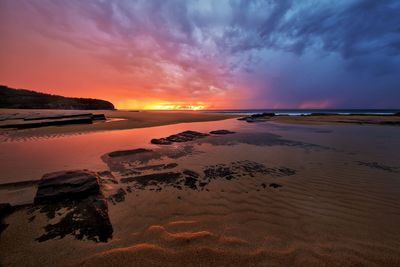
(174, 106)
(204, 54)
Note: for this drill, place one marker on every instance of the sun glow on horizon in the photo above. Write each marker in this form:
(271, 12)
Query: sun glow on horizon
(175, 106)
(158, 105)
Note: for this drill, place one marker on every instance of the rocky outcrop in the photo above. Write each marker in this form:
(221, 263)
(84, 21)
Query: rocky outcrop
(185, 136)
(50, 120)
(75, 196)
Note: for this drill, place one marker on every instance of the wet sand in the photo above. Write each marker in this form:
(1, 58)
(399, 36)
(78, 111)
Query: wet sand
(340, 119)
(269, 194)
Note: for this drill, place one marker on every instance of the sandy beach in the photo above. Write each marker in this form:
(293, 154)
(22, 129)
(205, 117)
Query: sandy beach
(257, 194)
(116, 120)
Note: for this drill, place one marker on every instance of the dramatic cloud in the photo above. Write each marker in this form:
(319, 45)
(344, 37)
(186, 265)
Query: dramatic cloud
(216, 54)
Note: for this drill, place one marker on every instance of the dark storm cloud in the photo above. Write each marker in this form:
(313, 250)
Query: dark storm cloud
(277, 52)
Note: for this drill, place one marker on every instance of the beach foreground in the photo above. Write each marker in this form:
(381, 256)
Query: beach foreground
(255, 194)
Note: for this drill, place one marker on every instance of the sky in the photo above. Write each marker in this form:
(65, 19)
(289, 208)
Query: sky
(215, 54)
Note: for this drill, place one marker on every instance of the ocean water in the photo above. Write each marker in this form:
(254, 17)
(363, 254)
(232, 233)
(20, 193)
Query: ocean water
(299, 112)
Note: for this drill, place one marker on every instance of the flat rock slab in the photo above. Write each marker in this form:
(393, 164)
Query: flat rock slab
(58, 186)
(185, 136)
(221, 132)
(122, 153)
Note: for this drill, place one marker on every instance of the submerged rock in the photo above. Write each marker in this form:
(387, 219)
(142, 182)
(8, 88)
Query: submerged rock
(157, 167)
(154, 179)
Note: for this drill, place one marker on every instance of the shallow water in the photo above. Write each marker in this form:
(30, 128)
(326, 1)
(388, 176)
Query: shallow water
(338, 201)
(29, 159)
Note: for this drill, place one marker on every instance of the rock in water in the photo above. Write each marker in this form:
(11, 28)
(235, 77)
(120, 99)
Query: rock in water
(221, 132)
(122, 153)
(76, 197)
(185, 136)
(58, 186)
(160, 141)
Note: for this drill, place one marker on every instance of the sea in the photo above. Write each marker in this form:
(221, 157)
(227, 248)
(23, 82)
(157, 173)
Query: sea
(304, 112)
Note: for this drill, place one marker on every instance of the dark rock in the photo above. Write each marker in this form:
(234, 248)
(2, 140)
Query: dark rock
(157, 167)
(85, 219)
(259, 117)
(119, 196)
(221, 132)
(191, 173)
(179, 138)
(191, 182)
(97, 117)
(244, 168)
(121, 153)
(263, 185)
(376, 165)
(45, 123)
(56, 116)
(78, 192)
(221, 171)
(286, 171)
(191, 179)
(274, 185)
(170, 166)
(5, 209)
(160, 141)
(107, 177)
(62, 185)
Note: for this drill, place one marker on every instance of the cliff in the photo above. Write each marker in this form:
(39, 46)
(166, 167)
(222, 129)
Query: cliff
(27, 99)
